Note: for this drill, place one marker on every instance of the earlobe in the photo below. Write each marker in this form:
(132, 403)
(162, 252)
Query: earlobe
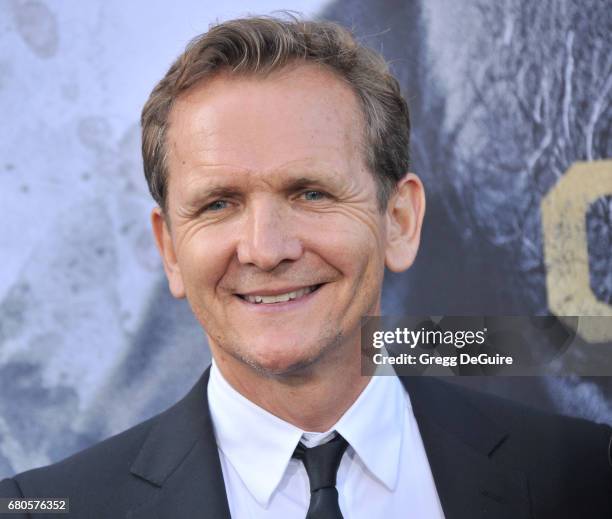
(405, 212)
(165, 246)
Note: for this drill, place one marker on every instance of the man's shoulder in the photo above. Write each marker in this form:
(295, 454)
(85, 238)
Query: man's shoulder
(558, 464)
(167, 465)
(94, 473)
(565, 461)
(524, 418)
(523, 423)
(119, 472)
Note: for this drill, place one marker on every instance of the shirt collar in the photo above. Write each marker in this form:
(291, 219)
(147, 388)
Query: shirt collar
(374, 427)
(250, 437)
(376, 439)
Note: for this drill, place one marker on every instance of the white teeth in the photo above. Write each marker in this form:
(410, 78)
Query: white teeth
(281, 298)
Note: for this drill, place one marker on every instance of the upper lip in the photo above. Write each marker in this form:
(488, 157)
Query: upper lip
(275, 291)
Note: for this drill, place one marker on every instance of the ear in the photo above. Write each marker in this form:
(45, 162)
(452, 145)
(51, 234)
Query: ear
(405, 211)
(165, 246)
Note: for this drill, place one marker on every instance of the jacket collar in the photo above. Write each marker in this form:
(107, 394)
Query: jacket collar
(180, 457)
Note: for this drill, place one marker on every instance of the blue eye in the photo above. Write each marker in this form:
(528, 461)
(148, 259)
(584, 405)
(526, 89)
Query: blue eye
(217, 205)
(313, 195)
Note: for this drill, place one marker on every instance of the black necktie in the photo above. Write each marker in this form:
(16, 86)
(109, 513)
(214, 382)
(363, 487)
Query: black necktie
(321, 464)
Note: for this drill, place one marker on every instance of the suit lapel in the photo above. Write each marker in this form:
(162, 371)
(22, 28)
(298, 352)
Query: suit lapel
(180, 458)
(461, 443)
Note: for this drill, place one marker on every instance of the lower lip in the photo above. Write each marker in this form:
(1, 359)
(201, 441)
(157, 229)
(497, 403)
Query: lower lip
(280, 307)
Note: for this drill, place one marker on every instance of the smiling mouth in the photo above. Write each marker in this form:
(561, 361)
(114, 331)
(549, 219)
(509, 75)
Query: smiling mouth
(279, 298)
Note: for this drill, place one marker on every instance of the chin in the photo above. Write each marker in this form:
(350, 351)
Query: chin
(279, 362)
(275, 355)
(279, 366)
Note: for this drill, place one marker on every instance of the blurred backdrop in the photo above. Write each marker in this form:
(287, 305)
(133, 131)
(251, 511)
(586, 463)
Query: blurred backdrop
(511, 104)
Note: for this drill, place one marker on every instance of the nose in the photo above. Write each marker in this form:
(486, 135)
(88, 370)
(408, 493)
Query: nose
(269, 236)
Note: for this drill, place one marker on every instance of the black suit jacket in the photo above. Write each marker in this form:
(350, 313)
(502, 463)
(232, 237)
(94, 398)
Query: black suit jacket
(490, 458)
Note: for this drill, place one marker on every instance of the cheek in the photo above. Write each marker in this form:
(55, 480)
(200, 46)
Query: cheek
(352, 248)
(203, 257)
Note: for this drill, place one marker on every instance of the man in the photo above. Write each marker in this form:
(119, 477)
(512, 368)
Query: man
(277, 152)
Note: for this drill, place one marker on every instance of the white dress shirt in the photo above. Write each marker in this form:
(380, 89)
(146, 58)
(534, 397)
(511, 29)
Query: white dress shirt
(383, 473)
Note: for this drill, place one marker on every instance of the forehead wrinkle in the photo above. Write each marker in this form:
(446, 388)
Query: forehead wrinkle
(228, 175)
(200, 145)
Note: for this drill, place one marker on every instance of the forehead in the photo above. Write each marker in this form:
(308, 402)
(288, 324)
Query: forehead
(303, 115)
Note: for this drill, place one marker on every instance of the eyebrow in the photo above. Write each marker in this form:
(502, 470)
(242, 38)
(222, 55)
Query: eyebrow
(205, 194)
(304, 182)
(288, 186)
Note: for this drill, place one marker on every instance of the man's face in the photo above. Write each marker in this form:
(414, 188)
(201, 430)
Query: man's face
(269, 199)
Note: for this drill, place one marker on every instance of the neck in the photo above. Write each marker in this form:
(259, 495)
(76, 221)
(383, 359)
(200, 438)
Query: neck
(313, 399)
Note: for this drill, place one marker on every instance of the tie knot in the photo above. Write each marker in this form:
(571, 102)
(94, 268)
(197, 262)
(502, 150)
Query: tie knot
(322, 462)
